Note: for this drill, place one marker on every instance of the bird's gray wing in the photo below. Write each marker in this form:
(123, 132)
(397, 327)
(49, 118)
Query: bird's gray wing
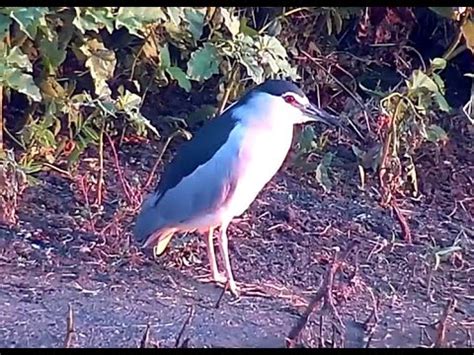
(199, 178)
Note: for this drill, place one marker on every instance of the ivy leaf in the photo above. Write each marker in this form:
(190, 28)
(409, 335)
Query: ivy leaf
(18, 59)
(93, 19)
(22, 83)
(442, 103)
(204, 63)
(438, 63)
(165, 61)
(175, 14)
(274, 46)
(29, 19)
(101, 63)
(52, 53)
(436, 134)
(5, 22)
(421, 80)
(104, 16)
(195, 20)
(133, 18)
(180, 76)
(254, 70)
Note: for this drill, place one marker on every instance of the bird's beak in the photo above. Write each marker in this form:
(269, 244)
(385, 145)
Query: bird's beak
(314, 114)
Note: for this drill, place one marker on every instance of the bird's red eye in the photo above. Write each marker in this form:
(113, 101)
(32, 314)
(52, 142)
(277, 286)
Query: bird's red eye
(289, 99)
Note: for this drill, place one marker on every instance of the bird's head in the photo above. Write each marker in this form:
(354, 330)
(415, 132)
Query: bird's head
(289, 102)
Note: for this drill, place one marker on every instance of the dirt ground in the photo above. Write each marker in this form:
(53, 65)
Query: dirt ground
(388, 293)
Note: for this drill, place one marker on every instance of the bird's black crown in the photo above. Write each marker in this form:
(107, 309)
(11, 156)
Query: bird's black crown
(278, 87)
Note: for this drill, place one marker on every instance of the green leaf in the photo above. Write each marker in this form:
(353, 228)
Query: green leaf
(18, 59)
(421, 80)
(438, 63)
(447, 12)
(90, 133)
(306, 139)
(254, 69)
(247, 30)
(204, 63)
(52, 53)
(29, 19)
(439, 81)
(104, 16)
(322, 172)
(195, 20)
(180, 76)
(203, 113)
(273, 46)
(442, 103)
(165, 61)
(23, 83)
(5, 22)
(175, 14)
(93, 19)
(436, 133)
(134, 18)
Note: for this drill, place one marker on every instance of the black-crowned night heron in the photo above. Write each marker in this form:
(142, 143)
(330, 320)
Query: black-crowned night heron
(215, 176)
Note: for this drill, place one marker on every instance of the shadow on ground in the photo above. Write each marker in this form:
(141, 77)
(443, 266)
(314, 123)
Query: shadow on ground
(388, 293)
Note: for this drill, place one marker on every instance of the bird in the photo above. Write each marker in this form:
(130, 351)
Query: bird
(216, 175)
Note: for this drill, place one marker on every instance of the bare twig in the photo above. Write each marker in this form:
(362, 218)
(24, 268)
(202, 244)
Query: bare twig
(100, 181)
(163, 150)
(146, 337)
(70, 331)
(355, 97)
(183, 328)
(403, 223)
(375, 315)
(442, 325)
(125, 186)
(221, 295)
(287, 13)
(324, 293)
(1, 119)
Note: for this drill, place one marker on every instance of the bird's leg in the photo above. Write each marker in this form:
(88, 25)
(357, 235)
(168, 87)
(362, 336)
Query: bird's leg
(224, 249)
(216, 275)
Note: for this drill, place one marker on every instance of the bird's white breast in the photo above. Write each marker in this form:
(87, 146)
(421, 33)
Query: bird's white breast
(263, 146)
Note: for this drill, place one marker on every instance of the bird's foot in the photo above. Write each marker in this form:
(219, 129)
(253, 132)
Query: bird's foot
(234, 289)
(219, 277)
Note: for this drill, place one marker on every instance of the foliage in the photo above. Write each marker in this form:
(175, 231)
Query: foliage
(13, 181)
(88, 71)
(38, 44)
